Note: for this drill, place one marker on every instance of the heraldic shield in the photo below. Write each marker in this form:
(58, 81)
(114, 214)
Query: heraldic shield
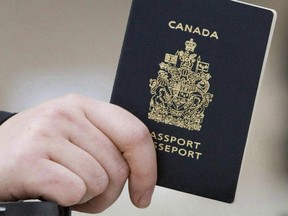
(180, 92)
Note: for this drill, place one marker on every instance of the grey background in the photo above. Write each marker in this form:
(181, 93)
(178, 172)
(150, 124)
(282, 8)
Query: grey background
(49, 48)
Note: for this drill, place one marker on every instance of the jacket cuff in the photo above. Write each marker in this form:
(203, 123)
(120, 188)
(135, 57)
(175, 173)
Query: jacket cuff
(4, 116)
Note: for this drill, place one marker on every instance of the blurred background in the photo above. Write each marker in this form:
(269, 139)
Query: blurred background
(49, 48)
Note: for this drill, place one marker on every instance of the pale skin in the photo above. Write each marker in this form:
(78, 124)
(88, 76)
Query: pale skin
(77, 152)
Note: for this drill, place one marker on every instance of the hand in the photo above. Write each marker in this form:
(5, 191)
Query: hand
(78, 152)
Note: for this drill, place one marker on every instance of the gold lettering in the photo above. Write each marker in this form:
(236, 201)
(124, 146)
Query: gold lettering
(173, 139)
(214, 35)
(197, 31)
(156, 145)
(197, 144)
(166, 138)
(181, 142)
(198, 155)
(168, 147)
(190, 29)
(180, 26)
(189, 143)
(161, 147)
(174, 149)
(153, 134)
(172, 24)
(191, 154)
(205, 32)
(160, 136)
(182, 152)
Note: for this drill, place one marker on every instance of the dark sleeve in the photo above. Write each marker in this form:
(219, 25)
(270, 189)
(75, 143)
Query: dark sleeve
(5, 116)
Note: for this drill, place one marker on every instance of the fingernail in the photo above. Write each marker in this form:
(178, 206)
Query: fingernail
(145, 199)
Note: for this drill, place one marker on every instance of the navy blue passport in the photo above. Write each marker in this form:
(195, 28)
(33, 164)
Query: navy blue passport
(189, 69)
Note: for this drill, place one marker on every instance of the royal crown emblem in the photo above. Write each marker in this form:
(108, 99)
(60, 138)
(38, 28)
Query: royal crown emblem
(180, 92)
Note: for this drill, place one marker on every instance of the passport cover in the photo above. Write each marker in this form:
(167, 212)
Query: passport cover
(189, 69)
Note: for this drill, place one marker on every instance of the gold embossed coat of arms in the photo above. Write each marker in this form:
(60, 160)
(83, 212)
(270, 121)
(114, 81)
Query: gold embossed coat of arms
(180, 92)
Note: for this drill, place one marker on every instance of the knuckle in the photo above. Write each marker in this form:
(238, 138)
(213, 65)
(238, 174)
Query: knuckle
(37, 130)
(100, 183)
(58, 111)
(64, 190)
(74, 193)
(66, 108)
(140, 133)
(72, 199)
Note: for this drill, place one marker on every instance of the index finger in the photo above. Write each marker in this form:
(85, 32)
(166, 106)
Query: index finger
(133, 139)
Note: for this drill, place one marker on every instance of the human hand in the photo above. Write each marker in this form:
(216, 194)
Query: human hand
(78, 152)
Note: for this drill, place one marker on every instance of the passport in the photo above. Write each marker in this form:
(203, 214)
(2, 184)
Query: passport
(190, 70)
